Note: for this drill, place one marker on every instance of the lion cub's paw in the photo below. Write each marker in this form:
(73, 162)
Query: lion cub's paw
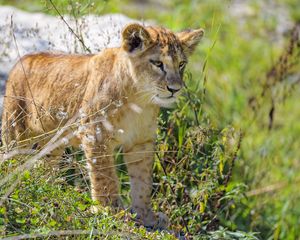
(161, 222)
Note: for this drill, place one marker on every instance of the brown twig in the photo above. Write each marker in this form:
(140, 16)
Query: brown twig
(279, 73)
(70, 29)
(234, 157)
(23, 69)
(270, 188)
(216, 198)
(174, 194)
(281, 69)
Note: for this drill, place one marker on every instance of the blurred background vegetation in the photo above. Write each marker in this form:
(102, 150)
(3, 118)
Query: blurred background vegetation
(233, 167)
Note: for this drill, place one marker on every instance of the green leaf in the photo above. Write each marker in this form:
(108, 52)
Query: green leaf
(21, 220)
(52, 223)
(26, 175)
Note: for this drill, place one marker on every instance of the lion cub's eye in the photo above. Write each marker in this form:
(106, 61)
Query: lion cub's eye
(158, 64)
(182, 65)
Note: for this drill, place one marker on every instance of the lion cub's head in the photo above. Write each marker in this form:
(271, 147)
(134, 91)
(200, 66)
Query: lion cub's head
(159, 57)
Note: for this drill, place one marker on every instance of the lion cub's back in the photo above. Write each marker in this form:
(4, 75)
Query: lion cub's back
(39, 88)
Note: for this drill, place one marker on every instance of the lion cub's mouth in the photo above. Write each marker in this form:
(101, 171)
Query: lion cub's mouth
(165, 102)
(169, 97)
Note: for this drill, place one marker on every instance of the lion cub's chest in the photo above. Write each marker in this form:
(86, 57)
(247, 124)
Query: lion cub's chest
(135, 124)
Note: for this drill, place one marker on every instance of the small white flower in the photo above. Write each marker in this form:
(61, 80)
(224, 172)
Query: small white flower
(90, 138)
(81, 129)
(108, 125)
(135, 108)
(118, 103)
(82, 114)
(61, 115)
(98, 130)
(103, 113)
(94, 160)
(98, 133)
(120, 131)
(65, 140)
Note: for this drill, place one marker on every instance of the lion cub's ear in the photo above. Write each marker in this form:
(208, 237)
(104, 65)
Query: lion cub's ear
(135, 38)
(189, 39)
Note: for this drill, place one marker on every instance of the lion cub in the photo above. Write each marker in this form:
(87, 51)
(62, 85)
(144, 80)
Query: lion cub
(113, 99)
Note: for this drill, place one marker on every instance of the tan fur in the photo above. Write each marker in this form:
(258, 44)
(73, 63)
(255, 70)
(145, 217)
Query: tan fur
(115, 95)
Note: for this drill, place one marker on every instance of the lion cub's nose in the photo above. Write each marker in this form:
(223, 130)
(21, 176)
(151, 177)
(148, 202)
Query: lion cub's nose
(173, 89)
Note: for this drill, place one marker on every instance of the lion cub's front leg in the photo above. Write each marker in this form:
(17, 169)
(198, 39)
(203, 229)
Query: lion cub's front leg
(139, 160)
(103, 177)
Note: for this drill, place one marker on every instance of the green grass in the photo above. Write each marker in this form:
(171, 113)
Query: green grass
(261, 196)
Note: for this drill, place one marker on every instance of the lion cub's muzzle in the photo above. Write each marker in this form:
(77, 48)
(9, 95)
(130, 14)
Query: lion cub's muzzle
(173, 90)
(174, 86)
